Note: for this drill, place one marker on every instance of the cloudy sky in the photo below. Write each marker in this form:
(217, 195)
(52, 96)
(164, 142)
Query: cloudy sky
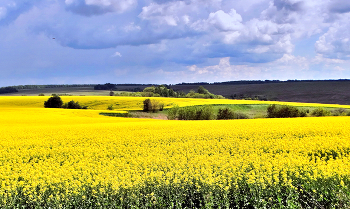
(171, 41)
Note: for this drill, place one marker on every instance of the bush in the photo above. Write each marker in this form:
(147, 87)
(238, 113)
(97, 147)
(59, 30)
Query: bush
(202, 90)
(320, 112)
(274, 111)
(110, 107)
(192, 113)
(239, 115)
(339, 112)
(225, 114)
(41, 94)
(205, 113)
(111, 93)
(147, 105)
(74, 105)
(53, 102)
(161, 106)
(172, 112)
(152, 106)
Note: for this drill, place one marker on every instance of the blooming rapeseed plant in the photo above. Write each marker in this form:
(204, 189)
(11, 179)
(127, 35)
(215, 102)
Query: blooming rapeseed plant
(57, 157)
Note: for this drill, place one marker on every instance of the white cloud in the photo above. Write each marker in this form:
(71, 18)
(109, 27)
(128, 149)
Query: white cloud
(223, 71)
(338, 68)
(217, 39)
(294, 61)
(169, 14)
(98, 7)
(225, 22)
(132, 27)
(319, 58)
(335, 43)
(117, 54)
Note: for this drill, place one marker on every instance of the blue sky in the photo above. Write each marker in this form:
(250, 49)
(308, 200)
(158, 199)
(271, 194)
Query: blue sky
(170, 41)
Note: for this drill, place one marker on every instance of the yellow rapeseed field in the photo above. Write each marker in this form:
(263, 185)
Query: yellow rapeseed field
(136, 103)
(52, 154)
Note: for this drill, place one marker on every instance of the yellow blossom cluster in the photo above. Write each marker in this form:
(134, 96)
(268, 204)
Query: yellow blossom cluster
(62, 150)
(136, 103)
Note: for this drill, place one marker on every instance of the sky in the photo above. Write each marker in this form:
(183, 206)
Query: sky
(172, 41)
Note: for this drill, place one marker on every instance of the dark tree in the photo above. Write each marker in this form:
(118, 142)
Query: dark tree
(284, 111)
(53, 102)
(73, 105)
(202, 90)
(5, 90)
(147, 105)
(225, 114)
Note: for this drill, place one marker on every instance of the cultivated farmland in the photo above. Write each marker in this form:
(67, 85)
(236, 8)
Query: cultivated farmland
(62, 158)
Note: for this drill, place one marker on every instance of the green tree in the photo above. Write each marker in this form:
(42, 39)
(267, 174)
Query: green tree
(202, 90)
(150, 89)
(73, 105)
(225, 114)
(147, 105)
(320, 112)
(53, 102)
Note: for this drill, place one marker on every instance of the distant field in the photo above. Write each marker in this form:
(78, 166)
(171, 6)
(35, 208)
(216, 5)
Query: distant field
(75, 91)
(136, 103)
(328, 92)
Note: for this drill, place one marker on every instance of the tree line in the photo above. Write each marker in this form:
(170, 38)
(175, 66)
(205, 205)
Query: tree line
(165, 91)
(56, 102)
(5, 90)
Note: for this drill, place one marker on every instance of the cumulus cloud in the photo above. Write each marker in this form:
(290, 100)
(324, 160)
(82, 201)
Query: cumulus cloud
(222, 71)
(335, 43)
(283, 11)
(217, 39)
(339, 6)
(225, 21)
(10, 10)
(99, 7)
(167, 14)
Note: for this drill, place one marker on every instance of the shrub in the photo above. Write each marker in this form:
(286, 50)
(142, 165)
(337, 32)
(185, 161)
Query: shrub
(110, 107)
(191, 113)
(274, 111)
(172, 112)
(225, 114)
(53, 102)
(239, 115)
(147, 105)
(202, 90)
(320, 112)
(154, 106)
(111, 93)
(161, 106)
(41, 94)
(303, 113)
(205, 113)
(339, 112)
(74, 105)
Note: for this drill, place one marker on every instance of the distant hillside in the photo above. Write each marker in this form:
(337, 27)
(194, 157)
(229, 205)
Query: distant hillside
(325, 91)
(328, 92)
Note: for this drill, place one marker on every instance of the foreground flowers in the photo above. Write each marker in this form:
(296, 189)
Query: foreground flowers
(77, 158)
